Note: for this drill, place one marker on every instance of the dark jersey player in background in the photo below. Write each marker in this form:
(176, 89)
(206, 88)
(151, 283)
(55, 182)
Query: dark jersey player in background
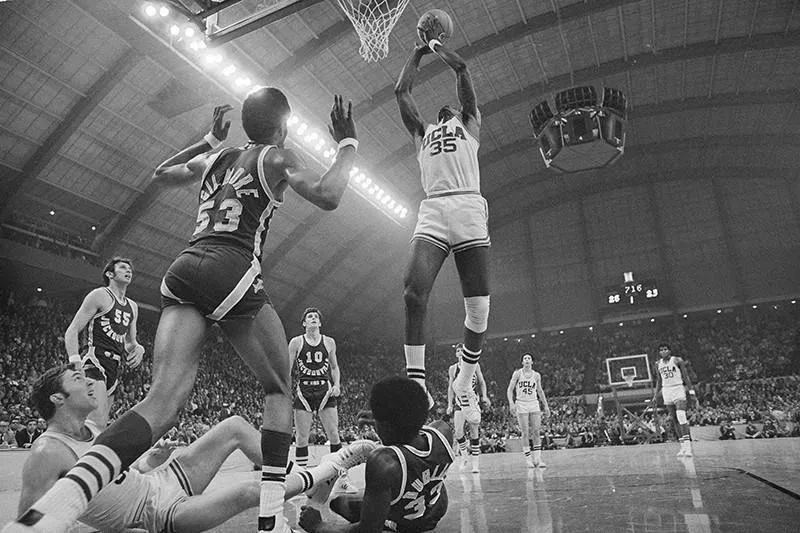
(404, 489)
(217, 279)
(109, 319)
(318, 384)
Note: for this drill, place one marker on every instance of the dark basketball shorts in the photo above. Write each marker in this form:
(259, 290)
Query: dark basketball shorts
(222, 282)
(102, 365)
(314, 397)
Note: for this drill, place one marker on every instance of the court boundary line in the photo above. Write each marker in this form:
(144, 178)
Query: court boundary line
(788, 492)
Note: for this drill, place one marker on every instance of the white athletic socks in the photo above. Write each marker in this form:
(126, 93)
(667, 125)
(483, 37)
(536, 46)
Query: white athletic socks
(415, 363)
(270, 504)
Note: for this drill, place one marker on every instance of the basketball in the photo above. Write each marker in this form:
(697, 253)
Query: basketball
(437, 24)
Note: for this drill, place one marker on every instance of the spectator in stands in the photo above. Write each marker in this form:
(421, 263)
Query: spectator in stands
(751, 432)
(726, 431)
(26, 436)
(7, 436)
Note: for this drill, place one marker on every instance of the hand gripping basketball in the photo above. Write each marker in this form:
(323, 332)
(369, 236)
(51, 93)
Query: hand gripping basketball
(434, 24)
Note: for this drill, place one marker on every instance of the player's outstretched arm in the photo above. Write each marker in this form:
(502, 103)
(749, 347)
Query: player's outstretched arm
(409, 111)
(466, 90)
(383, 475)
(326, 191)
(92, 304)
(189, 164)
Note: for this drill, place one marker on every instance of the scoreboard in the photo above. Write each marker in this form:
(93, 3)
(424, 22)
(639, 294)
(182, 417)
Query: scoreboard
(631, 292)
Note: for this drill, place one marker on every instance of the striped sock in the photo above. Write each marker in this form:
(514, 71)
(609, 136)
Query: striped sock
(415, 363)
(70, 495)
(470, 357)
(474, 447)
(307, 480)
(527, 452)
(537, 453)
(301, 456)
(462, 445)
(275, 450)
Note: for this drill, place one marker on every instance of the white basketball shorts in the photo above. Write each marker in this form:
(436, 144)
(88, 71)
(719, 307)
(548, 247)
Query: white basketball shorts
(673, 394)
(454, 221)
(524, 408)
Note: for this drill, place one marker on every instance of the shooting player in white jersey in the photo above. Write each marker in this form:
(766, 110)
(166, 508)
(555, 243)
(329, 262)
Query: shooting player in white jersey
(671, 378)
(453, 217)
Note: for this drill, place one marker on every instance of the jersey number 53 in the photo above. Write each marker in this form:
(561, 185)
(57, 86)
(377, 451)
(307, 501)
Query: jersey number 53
(228, 220)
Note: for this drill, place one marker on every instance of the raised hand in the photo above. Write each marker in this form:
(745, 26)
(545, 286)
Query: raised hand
(342, 125)
(219, 129)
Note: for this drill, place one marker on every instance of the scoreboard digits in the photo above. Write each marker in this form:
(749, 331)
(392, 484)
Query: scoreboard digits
(633, 292)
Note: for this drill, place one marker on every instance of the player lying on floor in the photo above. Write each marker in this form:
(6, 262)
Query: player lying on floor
(169, 497)
(404, 489)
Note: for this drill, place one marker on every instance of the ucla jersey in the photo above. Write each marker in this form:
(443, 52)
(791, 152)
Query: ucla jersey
(106, 332)
(313, 364)
(526, 387)
(448, 158)
(670, 372)
(474, 384)
(422, 501)
(121, 503)
(236, 202)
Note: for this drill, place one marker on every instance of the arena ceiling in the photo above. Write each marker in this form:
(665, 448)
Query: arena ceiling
(91, 101)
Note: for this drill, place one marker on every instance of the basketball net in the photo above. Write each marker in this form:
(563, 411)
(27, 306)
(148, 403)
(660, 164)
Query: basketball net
(629, 380)
(373, 21)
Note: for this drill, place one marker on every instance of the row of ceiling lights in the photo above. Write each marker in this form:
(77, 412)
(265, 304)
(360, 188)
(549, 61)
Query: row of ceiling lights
(189, 35)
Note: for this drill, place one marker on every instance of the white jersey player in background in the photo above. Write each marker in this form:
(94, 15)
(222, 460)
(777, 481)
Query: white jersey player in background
(453, 217)
(671, 378)
(469, 412)
(524, 396)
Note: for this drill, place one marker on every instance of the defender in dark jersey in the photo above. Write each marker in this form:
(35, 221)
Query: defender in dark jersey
(109, 319)
(218, 278)
(405, 489)
(318, 384)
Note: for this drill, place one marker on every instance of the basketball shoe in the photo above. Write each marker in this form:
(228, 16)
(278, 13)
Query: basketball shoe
(351, 455)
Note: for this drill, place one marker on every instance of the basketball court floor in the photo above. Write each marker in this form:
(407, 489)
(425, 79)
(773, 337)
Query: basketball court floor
(727, 487)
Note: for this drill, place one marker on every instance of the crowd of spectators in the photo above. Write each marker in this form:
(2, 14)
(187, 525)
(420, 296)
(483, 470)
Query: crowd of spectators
(745, 367)
(45, 235)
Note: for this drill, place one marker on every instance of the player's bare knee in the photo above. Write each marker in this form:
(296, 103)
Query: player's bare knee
(476, 309)
(415, 298)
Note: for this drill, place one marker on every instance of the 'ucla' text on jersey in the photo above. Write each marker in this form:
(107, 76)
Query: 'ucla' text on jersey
(236, 202)
(448, 158)
(670, 372)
